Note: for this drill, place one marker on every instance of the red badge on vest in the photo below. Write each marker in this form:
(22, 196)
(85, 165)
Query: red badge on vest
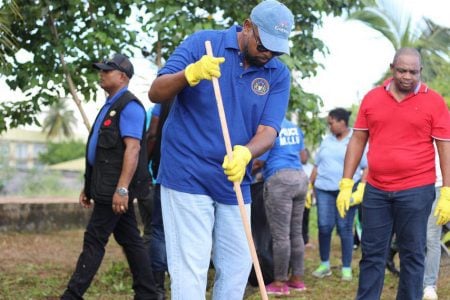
(107, 122)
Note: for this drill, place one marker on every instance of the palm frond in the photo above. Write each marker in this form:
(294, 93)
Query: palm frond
(396, 26)
(59, 121)
(378, 22)
(8, 41)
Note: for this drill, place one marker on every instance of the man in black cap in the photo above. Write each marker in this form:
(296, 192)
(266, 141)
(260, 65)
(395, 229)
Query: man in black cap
(116, 173)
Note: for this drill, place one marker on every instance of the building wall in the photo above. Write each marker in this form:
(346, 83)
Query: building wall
(19, 149)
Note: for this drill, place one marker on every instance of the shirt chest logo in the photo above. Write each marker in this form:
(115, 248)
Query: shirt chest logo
(260, 86)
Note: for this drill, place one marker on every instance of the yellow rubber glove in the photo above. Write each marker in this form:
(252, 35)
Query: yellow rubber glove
(308, 199)
(205, 68)
(357, 195)
(442, 211)
(235, 169)
(343, 198)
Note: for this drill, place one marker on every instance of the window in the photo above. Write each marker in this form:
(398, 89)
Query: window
(21, 155)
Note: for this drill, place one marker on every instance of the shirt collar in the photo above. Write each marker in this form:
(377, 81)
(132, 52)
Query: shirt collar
(347, 137)
(231, 37)
(116, 96)
(420, 88)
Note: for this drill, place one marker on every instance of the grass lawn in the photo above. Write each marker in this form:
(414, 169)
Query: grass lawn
(38, 266)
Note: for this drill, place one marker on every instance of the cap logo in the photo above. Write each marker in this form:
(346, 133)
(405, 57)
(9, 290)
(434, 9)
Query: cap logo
(283, 27)
(260, 86)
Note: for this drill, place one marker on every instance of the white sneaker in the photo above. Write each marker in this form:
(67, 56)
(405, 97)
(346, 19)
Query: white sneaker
(429, 293)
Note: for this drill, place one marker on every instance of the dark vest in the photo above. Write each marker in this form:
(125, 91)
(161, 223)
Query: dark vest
(101, 178)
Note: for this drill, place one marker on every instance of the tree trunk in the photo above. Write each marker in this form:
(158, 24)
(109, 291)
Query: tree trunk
(70, 83)
(74, 94)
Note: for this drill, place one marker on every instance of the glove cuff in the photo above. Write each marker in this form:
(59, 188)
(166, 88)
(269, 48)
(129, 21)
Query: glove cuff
(445, 193)
(346, 183)
(189, 74)
(246, 154)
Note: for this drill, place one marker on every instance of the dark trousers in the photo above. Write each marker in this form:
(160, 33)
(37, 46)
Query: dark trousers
(145, 205)
(103, 222)
(406, 213)
(305, 226)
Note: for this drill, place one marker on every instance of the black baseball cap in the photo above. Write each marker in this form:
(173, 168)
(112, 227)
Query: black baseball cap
(117, 62)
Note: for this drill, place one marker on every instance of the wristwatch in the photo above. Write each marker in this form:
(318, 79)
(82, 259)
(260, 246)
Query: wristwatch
(122, 191)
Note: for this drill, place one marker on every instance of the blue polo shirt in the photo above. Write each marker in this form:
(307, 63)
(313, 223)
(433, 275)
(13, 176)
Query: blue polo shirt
(285, 153)
(192, 146)
(153, 111)
(330, 163)
(131, 123)
(156, 111)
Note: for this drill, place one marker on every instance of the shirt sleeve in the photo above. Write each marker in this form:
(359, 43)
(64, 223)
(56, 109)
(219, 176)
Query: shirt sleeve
(441, 120)
(361, 118)
(132, 120)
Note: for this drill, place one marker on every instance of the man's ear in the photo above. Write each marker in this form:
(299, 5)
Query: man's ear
(247, 25)
(124, 77)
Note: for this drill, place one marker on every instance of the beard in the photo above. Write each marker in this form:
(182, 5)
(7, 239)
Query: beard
(253, 60)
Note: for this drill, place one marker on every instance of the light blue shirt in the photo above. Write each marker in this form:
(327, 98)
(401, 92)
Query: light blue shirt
(330, 163)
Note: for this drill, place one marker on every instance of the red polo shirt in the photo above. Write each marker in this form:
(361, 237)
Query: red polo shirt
(401, 152)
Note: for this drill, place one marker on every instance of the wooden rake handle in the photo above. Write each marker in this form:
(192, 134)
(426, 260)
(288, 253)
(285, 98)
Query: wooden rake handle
(237, 185)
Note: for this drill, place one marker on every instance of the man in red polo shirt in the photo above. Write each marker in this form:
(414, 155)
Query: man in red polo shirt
(400, 120)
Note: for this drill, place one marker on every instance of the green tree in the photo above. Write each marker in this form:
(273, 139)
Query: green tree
(173, 20)
(440, 82)
(7, 38)
(60, 152)
(64, 37)
(395, 24)
(59, 121)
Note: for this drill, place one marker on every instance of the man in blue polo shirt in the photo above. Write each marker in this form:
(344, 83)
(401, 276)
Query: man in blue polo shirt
(199, 204)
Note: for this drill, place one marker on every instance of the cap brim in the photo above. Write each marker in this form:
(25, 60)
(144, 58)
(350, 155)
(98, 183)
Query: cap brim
(102, 66)
(273, 43)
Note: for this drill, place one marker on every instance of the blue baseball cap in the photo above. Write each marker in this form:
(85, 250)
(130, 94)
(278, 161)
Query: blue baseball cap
(274, 21)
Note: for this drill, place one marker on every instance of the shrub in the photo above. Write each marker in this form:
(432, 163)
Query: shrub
(60, 152)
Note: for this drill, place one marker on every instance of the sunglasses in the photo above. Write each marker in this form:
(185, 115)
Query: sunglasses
(260, 47)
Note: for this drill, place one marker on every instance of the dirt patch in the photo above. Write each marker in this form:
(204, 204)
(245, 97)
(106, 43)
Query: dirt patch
(59, 248)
